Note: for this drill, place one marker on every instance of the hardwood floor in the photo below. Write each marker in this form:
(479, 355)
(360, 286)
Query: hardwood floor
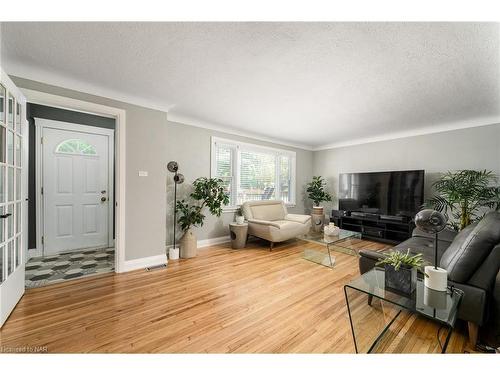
(222, 301)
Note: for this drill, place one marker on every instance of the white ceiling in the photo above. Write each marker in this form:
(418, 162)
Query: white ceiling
(309, 84)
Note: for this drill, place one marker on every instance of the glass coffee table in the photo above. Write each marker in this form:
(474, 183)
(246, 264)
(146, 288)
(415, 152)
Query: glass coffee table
(343, 243)
(373, 309)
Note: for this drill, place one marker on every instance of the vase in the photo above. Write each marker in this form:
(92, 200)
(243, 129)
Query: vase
(240, 219)
(188, 245)
(403, 280)
(317, 219)
(331, 232)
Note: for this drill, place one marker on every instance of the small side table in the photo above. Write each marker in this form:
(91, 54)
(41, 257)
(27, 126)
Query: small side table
(384, 307)
(239, 234)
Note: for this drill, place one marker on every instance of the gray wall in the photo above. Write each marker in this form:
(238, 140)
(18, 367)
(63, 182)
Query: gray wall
(152, 142)
(473, 148)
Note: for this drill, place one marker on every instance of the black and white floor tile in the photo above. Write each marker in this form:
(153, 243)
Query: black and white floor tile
(41, 271)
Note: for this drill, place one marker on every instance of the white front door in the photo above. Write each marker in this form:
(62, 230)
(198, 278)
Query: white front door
(76, 189)
(13, 133)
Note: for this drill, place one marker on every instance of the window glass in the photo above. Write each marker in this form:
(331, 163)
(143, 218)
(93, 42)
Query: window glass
(10, 112)
(10, 256)
(18, 184)
(18, 150)
(2, 231)
(2, 104)
(76, 146)
(10, 183)
(2, 184)
(257, 176)
(2, 262)
(285, 178)
(224, 166)
(18, 251)
(18, 217)
(10, 148)
(18, 117)
(10, 221)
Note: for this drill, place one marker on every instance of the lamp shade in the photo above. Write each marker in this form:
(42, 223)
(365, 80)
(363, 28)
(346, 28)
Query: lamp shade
(179, 178)
(430, 221)
(172, 166)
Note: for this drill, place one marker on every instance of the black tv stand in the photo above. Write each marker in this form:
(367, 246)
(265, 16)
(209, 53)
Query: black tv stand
(375, 228)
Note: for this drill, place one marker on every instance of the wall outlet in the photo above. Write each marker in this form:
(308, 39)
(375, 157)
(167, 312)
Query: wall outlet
(143, 173)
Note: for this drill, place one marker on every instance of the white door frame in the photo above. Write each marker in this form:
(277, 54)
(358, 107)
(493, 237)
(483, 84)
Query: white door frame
(119, 115)
(40, 124)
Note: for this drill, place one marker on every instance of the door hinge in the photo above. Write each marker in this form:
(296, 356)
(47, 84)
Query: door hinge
(41, 190)
(42, 240)
(41, 140)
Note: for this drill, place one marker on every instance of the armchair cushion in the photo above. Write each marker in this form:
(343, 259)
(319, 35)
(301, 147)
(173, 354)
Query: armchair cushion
(264, 210)
(298, 218)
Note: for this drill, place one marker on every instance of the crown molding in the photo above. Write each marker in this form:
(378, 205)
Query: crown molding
(188, 120)
(24, 71)
(441, 128)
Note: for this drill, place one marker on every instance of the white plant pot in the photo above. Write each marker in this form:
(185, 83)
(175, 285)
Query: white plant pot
(173, 253)
(240, 219)
(188, 245)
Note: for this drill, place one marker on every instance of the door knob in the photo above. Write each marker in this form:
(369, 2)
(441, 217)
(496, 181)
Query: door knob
(103, 199)
(5, 216)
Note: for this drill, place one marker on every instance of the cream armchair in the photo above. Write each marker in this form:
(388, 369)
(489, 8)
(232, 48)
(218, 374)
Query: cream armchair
(270, 220)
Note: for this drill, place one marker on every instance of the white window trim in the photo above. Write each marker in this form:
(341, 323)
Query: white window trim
(236, 145)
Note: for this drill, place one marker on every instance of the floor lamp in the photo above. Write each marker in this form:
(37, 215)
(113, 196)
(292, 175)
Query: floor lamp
(432, 222)
(173, 167)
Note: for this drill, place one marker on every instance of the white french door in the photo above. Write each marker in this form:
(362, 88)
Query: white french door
(13, 156)
(76, 185)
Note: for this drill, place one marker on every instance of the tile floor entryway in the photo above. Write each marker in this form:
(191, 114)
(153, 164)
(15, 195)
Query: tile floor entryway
(41, 271)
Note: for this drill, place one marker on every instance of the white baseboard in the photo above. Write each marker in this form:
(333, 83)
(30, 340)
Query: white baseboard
(213, 241)
(207, 242)
(135, 264)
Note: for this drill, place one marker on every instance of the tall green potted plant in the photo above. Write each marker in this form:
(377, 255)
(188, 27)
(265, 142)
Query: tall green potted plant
(317, 193)
(207, 193)
(465, 194)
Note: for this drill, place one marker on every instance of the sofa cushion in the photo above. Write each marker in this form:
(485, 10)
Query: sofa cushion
(470, 247)
(423, 245)
(271, 211)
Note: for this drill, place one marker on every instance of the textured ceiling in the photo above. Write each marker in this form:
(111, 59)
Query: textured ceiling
(311, 84)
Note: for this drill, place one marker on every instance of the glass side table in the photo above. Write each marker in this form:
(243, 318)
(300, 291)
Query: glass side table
(373, 309)
(343, 242)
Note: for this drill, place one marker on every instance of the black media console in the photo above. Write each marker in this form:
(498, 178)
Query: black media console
(372, 227)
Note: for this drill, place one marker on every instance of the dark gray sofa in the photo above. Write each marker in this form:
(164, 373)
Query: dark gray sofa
(472, 259)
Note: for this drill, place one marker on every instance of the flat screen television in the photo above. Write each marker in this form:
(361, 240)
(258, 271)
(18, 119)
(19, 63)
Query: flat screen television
(396, 193)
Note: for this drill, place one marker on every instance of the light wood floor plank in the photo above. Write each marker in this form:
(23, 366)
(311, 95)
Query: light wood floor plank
(222, 301)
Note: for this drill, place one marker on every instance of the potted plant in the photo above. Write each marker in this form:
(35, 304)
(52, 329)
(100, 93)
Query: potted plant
(316, 192)
(465, 194)
(207, 193)
(240, 219)
(401, 270)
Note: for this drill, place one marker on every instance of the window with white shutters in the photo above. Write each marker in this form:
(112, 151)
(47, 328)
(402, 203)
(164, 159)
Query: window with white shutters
(250, 172)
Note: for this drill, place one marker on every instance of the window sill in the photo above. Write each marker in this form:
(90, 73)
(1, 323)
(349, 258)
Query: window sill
(234, 209)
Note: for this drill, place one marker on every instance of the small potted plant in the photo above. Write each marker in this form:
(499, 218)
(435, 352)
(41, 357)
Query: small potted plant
(316, 192)
(208, 193)
(240, 219)
(401, 270)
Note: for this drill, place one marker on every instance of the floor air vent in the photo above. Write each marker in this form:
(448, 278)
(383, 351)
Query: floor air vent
(158, 267)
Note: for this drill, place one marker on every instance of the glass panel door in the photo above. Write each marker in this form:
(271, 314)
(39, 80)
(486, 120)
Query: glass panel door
(12, 204)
